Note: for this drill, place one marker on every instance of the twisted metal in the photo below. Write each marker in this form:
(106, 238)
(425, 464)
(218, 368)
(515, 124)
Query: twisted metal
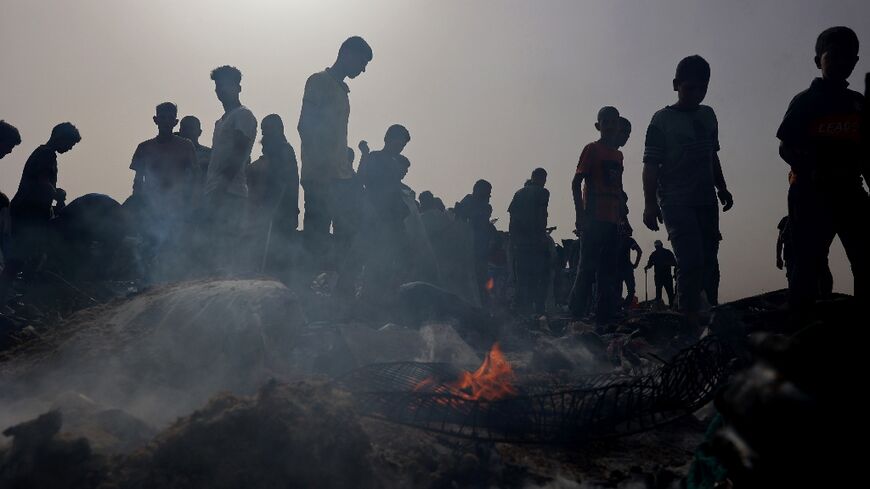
(595, 407)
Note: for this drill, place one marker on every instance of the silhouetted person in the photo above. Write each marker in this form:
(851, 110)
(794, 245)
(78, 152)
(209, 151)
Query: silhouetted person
(331, 192)
(682, 177)
(9, 138)
(31, 208)
(273, 191)
(785, 259)
(190, 128)
(381, 174)
(166, 168)
(821, 141)
(226, 188)
(662, 261)
(476, 210)
(530, 243)
(428, 202)
(598, 206)
(625, 265)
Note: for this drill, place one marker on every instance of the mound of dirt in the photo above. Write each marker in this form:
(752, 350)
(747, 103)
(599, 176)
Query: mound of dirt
(164, 352)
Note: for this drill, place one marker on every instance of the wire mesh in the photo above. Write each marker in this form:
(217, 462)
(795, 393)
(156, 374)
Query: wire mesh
(593, 407)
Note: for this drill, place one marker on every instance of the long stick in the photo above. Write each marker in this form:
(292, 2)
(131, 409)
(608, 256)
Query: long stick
(646, 284)
(266, 251)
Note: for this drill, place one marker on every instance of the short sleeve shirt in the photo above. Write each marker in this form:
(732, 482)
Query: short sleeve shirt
(323, 128)
(826, 120)
(168, 165)
(683, 144)
(602, 169)
(222, 160)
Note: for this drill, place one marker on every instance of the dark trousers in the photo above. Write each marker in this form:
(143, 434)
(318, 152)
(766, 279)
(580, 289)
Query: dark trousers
(531, 270)
(815, 218)
(694, 234)
(667, 283)
(335, 203)
(223, 229)
(598, 264)
(627, 277)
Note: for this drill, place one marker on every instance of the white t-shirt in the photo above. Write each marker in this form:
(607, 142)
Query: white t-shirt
(240, 119)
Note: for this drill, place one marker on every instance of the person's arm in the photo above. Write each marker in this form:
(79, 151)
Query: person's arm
(649, 262)
(313, 120)
(653, 156)
(577, 191)
(639, 254)
(724, 195)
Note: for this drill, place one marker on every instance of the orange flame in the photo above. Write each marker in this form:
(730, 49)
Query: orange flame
(492, 381)
(490, 284)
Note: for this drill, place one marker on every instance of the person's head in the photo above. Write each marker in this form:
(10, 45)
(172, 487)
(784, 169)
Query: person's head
(539, 176)
(608, 124)
(63, 137)
(166, 117)
(272, 128)
(692, 80)
(426, 198)
(624, 131)
(227, 83)
(353, 56)
(837, 53)
(9, 138)
(190, 128)
(396, 138)
(658, 244)
(482, 189)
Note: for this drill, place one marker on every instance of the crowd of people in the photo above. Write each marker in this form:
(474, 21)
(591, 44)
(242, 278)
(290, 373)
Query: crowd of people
(215, 211)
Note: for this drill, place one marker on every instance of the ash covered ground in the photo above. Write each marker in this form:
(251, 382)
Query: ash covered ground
(232, 383)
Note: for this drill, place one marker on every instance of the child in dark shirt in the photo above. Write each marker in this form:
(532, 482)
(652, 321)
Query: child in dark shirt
(821, 141)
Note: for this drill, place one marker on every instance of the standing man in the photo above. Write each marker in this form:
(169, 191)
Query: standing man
(626, 267)
(332, 193)
(31, 208)
(476, 210)
(226, 188)
(165, 169)
(190, 128)
(9, 138)
(530, 244)
(662, 261)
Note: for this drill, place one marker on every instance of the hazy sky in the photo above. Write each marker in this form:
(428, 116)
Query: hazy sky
(489, 89)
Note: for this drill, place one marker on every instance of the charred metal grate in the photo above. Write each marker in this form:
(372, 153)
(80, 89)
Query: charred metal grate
(595, 407)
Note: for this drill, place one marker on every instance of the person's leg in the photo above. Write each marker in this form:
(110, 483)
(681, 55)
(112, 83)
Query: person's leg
(852, 216)
(826, 280)
(660, 283)
(346, 202)
(590, 250)
(317, 217)
(608, 273)
(708, 222)
(630, 287)
(522, 269)
(686, 237)
(540, 285)
(812, 233)
(669, 291)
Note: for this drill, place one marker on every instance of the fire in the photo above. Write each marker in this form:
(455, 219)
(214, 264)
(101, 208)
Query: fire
(492, 381)
(490, 284)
